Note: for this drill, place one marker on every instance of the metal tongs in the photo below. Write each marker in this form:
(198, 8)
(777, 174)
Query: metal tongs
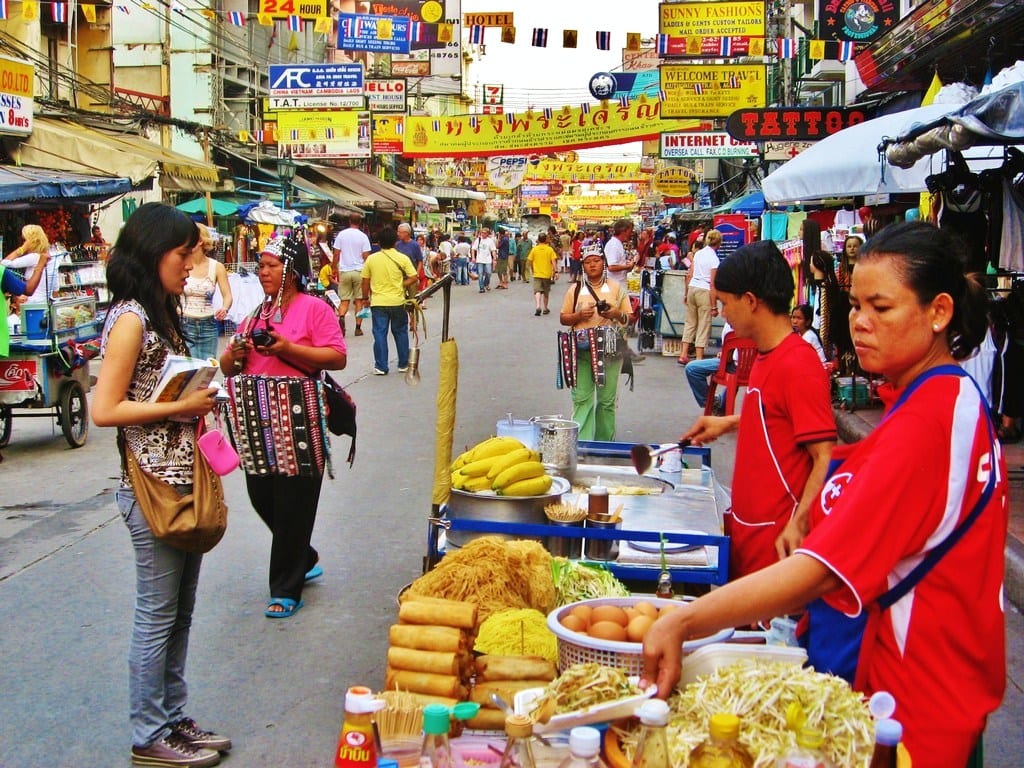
(642, 455)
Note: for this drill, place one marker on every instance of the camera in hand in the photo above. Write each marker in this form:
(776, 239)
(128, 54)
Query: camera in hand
(261, 338)
(603, 306)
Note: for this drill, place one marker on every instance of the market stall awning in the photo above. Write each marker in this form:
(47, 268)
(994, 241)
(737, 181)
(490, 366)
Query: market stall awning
(749, 205)
(65, 146)
(220, 207)
(454, 193)
(426, 200)
(26, 183)
(377, 190)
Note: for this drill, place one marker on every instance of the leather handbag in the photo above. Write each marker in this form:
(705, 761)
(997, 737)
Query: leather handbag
(195, 522)
(217, 449)
(341, 412)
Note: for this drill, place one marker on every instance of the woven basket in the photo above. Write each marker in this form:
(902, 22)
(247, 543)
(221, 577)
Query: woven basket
(577, 648)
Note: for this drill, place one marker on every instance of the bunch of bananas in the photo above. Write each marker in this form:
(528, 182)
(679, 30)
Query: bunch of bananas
(503, 465)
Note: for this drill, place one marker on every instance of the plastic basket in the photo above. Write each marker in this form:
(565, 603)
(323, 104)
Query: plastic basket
(671, 347)
(577, 648)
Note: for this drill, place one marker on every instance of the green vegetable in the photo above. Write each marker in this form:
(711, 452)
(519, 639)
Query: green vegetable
(576, 581)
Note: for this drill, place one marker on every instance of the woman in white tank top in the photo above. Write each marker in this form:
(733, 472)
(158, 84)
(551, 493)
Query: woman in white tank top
(199, 320)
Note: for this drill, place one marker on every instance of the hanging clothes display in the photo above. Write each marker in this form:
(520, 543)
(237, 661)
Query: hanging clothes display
(1011, 240)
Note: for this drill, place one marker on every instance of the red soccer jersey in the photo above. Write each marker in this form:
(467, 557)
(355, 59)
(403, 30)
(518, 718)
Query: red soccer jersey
(940, 650)
(786, 405)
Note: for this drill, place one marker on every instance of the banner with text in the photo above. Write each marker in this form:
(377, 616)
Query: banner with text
(711, 90)
(324, 134)
(387, 134)
(306, 9)
(568, 128)
(380, 34)
(677, 146)
(714, 19)
(590, 173)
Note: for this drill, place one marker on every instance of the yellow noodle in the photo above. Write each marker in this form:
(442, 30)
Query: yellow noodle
(521, 632)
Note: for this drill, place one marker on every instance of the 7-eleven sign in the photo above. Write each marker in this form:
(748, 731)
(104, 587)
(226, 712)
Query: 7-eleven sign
(494, 94)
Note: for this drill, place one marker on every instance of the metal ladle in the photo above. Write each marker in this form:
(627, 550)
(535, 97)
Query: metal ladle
(642, 455)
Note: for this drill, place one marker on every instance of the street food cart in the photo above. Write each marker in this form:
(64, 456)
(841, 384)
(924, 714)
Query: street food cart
(47, 372)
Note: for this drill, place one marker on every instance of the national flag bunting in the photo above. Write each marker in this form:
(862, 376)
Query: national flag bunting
(123, 9)
(258, 136)
(662, 45)
(415, 31)
(328, 132)
(585, 107)
(364, 131)
(662, 96)
(295, 23)
(540, 38)
(474, 122)
(60, 12)
(178, 8)
(548, 113)
(88, 10)
(847, 49)
(786, 48)
(604, 41)
(400, 127)
(265, 19)
(624, 101)
(476, 34)
(733, 82)
(698, 89)
(569, 38)
(816, 49)
(445, 32)
(510, 118)
(323, 25)
(29, 10)
(206, 13)
(725, 46)
(3, 9)
(508, 35)
(436, 125)
(295, 134)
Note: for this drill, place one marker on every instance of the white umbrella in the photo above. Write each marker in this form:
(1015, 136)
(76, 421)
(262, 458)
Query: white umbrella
(847, 164)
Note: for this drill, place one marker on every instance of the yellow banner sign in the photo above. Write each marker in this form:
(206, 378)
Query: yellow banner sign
(596, 201)
(327, 134)
(711, 19)
(16, 78)
(674, 181)
(282, 9)
(387, 135)
(711, 90)
(568, 128)
(591, 173)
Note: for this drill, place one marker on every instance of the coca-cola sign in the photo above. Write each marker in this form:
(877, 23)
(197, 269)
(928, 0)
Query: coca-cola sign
(18, 375)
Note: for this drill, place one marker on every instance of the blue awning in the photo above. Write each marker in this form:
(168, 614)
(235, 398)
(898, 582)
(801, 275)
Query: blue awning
(21, 183)
(749, 205)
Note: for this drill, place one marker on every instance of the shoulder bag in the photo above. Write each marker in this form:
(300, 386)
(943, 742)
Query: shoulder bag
(195, 522)
(341, 412)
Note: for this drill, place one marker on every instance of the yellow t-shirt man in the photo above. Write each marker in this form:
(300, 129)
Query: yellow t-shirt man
(387, 272)
(542, 260)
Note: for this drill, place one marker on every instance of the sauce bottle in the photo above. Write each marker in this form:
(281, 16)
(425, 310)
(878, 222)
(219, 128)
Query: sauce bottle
(807, 753)
(652, 749)
(356, 745)
(436, 751)
(888, 734)
(584, 749)
(518, 743)
(722, 748)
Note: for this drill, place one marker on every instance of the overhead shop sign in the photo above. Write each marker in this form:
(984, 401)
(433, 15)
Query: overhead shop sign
(16, 102)
(858, 21)
(326, 135)
(785, 150)
(791, 123)
(546, 131)
(677, 146)
(591, 173)
(711, 90)
(387, 135)
(499, 19)
(275, 103)
(703, 19)
(674, 182)
(386, 95)
(379, 34)
(316, 80)
(506, 172)
(307, 9)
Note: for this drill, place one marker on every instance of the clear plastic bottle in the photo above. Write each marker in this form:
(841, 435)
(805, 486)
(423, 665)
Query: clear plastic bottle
(518, 743)
(808, 752)
(888, 734)
(652, 749)
(436, 752)
(584, 749)
(722, 748)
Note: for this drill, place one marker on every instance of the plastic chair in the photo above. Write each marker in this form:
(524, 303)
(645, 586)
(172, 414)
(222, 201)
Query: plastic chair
(731, 374)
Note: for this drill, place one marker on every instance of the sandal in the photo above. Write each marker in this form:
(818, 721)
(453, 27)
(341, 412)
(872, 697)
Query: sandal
(314, 573)
(683, 360)
(288, 605)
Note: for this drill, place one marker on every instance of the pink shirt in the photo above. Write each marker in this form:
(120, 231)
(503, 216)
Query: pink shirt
(308, 321)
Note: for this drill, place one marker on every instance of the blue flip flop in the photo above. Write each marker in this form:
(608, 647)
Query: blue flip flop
(290, 607)
(314, 573)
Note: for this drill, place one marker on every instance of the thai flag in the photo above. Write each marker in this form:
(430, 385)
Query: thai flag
(663, 45)
(177, 8)
(237, 18)
(662, 96)
(415, 31)
(548, 113)
(124, 9)
(604, 41)
(698, 89)
(329, 132)
(624, 101)
(436, 126)
(399, 128)
(295, 23)
(725, 46)
(733, 82)
(510, 118)
(847, 49)
(364, 131)
(540, 38)
(60, 12)
(474, 122)
(295, 134)
(258, 136)
(476, 34)
(786, 48)
(3, 9)
(585, 107)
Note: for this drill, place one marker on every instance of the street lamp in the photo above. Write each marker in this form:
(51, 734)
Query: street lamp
(286, 173)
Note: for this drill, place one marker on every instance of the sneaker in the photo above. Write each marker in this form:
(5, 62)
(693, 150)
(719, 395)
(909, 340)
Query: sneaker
(189, 730)
(359, 331)
(403, 368)
(379, 372)
(172, 750)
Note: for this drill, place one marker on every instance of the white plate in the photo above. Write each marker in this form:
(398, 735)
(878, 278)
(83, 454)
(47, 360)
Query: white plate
(599, 713)
(671, 547)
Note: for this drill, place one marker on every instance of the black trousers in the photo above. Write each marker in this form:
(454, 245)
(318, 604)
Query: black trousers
(288, 507)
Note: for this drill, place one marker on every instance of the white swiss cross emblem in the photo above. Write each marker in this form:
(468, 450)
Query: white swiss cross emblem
(833, 490)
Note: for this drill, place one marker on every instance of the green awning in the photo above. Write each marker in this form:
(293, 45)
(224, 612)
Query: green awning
(220, 207)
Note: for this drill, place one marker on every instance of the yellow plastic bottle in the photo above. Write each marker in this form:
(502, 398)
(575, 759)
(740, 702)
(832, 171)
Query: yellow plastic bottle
(722, 748)
(356, 746)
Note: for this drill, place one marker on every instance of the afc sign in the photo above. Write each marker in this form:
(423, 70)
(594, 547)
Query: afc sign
(791, 123)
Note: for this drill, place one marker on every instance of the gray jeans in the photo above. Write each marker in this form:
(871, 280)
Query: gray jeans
(165, 594)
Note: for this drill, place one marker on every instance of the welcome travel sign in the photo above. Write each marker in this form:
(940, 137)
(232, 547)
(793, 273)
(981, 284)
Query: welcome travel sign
(380, 34)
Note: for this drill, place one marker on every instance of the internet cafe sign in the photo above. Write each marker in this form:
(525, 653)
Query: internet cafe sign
(16, 81)
(694, 144)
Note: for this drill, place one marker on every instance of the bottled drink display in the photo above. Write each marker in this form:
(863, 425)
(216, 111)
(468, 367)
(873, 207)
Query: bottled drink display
(722, 748)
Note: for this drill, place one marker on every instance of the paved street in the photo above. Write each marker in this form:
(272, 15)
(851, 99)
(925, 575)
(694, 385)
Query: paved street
(276, 687)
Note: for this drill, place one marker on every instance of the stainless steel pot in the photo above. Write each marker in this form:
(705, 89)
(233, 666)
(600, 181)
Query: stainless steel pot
(557, 444)
(464, 505)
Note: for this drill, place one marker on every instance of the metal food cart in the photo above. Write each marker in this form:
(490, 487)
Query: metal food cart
(46, 374)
